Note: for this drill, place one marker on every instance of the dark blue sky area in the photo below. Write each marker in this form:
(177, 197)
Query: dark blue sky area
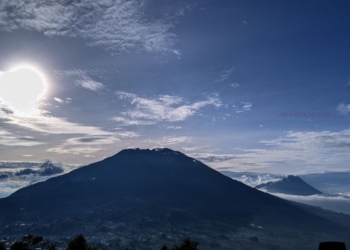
(209, 78)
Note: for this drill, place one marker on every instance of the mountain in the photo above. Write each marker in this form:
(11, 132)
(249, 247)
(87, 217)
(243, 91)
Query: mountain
(146, 194)
(291, 184)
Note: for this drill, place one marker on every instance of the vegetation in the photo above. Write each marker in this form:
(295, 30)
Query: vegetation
(187, 244)
(2, 246)
(28, 242)
(31, 242)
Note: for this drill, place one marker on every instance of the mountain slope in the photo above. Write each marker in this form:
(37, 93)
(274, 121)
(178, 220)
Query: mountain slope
(151, 191)
(158, 176)
(292, 185)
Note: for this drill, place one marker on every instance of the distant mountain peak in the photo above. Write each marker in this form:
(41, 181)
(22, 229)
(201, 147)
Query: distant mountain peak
(290, 184)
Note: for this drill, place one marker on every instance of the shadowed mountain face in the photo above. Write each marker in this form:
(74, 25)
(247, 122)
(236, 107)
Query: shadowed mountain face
(291, 184)
(159, 176)
(160, 186)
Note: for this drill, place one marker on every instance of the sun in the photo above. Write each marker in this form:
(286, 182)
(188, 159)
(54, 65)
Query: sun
(22, 88)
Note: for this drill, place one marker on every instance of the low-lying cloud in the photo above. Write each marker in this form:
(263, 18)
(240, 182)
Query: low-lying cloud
(45, 169)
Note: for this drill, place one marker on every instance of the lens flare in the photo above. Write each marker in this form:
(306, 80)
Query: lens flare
(21, 89)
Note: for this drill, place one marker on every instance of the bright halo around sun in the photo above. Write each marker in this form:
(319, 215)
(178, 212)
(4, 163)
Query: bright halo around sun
(21, 89)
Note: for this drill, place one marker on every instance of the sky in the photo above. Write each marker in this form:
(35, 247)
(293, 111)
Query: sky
(259, 86)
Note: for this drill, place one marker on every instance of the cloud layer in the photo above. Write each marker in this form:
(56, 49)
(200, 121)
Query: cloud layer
(118, 26)
(16, 175)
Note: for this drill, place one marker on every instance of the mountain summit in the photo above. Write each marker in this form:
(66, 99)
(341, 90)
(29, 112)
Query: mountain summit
(291, 184)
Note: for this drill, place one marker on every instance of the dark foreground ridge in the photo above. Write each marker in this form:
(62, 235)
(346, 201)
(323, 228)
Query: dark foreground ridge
(160, 192)
(291, 184)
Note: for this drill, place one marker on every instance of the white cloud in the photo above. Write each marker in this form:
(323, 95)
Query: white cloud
(88, 145)
(58, 100)
(90, 84)
(82, 79)
(235, 85)
(88, 151)
(305, 140)
(114, 25)
(256, 179)
(163, 108)
(292, 153)
(191, 148)
(129, 122)
(245, 106)
(83, 145)
(225, 74)
(343, 109)
(316, 197)
(43, 123)
(53, 125)
(127, 134)
(336, 203)
(174, 127)
(68, 100)
(170, 140)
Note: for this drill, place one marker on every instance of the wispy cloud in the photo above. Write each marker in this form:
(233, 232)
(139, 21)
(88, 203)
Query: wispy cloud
(88, 145)
(174, 127)
(53, 125)
(235, 85)
(91, 138)
(162, 108)
(122, 121)
(245, 106)
(9, 139)
(191, 148)
(305, 140)
(293, 153)
(59, 100)
(82, 79)
(118, 26)
(90, 84)
(343, 109)
(170, 140)
(338, 203)
(225, 74)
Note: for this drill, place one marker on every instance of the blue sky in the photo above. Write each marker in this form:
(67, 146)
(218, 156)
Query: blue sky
(217, 80)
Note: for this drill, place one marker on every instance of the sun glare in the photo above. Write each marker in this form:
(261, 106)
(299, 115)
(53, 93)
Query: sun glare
(21, 89)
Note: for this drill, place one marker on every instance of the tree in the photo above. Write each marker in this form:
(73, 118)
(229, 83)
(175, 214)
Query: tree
(187, 244)
(19, 245)
(26, 242)
(78, 243)
(2, 246)
(47, 245)
(164, 247)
